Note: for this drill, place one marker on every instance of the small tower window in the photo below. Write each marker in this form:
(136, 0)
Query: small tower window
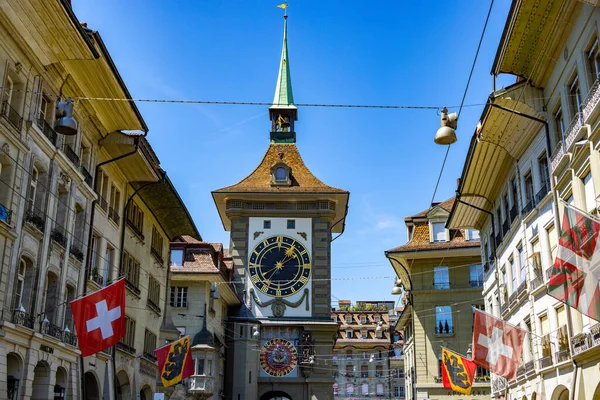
(266, 224)
(280, 175)
(291, 224)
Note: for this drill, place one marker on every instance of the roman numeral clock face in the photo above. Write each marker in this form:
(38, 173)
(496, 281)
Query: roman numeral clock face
(279, 266)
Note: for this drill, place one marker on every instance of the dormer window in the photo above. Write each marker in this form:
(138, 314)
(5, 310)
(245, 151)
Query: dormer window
(438, 232)
(280, 175)
(363, 319)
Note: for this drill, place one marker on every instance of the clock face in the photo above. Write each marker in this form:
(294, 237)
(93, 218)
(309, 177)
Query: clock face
(278, 357)
(279, 266)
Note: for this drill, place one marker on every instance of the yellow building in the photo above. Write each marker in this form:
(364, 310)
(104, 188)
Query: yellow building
(441, 273)
(71, 216)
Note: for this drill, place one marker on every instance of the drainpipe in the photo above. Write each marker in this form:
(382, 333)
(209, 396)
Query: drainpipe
(89, 254)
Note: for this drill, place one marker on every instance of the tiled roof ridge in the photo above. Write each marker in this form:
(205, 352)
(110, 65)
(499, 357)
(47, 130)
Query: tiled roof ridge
(416, 243)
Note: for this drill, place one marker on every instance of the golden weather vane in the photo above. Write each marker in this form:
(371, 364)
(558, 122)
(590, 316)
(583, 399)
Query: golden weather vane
(284, 6)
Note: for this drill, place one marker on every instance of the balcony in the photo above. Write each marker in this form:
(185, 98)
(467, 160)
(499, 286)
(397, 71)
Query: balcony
(58, 236)
(513, 212)
(549, 273)
(528, 207)
(87, 177)
(5, 214)
(563, 355)
(50, 329)
(22, 318)
(595, 335)
(557, 156)
(12, 115)
(126, 348)
(591, 101)
(70, 338)
(538, 280)
(200, 385)
(71, 155)
(580, 343)
(498, 384)
(47, 130)
(522, 290)
(529, 367)
(572, 132)
(505, 227)
(103, 203)
(112, 214)
(36, 218)
(95, 277)
(545, 362)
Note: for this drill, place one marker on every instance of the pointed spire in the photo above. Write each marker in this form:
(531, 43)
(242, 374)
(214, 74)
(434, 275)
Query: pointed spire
(283, 91)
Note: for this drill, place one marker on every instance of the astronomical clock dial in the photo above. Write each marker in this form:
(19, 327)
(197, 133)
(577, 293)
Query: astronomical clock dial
(278, 357)
(279, 266)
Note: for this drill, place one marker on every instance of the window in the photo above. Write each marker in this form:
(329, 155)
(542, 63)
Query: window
(522, 266)
(349, 387)
(476, 275)
(157, 243)
(178, 297)
(149, 343)
(364, 371)
(363, 333)
(45, 112)
(559, 124)
(438, 232)
(515, 193)
(513, 271)
(441, 279)
(472, 234)
(102, 190)
(115, 201)
(348, 319)
(177, 257)
(544, 173)
(575, 95)
(590, 196)
(506, 207)
(20, 284)
(8, 94)
(376, 318)
(336, 390)
(199, 366)
(348, 354)
(349, 334)
(280, 174)
(291, 224)
(379, 389)
(154, 292)
(529, 194)
(364, 388)
(443, 320)
(266, 224)
(379, 370)
(135, 219)
(131, 270)
(32, 189)
(593, 61)
(108, 257)
(129, 337)
(363, 319)
(552, 242)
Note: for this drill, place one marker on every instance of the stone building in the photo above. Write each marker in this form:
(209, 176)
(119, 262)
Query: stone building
(71, 216)
(281, 219)
(539, 150)
(361, 354)
(201, 295)
(441, 273)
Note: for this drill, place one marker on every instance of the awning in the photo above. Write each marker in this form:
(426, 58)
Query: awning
(510, 123)
(532, 31)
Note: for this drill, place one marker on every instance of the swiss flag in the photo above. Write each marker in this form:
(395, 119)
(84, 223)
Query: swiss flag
(100, 318)
(497, 346)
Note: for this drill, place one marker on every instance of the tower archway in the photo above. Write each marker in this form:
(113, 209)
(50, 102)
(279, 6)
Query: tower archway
(276, 395)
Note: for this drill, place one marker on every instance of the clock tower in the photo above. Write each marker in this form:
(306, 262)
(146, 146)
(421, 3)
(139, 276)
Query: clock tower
(282, 218)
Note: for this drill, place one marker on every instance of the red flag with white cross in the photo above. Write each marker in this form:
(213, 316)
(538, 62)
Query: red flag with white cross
(497, 346)
(100, 318)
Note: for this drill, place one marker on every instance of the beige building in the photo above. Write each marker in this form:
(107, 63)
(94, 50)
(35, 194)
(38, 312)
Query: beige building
(201, 295)
(539, 149)
(441, 273)
(53, 187)
(362, 349)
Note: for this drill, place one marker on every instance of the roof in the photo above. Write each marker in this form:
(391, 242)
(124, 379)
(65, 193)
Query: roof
(302, 178)
(283, 90)
(446, 205)
(420, 241)
(202, 257)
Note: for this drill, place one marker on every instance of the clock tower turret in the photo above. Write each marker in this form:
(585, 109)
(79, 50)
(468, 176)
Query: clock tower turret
(282, 218)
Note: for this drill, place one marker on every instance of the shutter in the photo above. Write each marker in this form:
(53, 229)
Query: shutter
(590, 196)
(561, 313)
(36, 98)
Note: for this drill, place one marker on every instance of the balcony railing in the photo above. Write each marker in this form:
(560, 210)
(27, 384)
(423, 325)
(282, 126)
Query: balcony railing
(103, 203)
(12, 115)
(22, 318)
(125, 347)
(149, 356)
(505, 227)
(47, 130)
(364, 374)
(58, 235)
(498, 238)
(36, 218)
(95, 277)
(538, 280)
(71, 155)
(591, 101)
(5, 214)
(563, 355)
(580, 343)
(542, 192)
(87, 177)
(522, 290)
(70, 338)
(112, 214)
(595, 335)
(76, 252)
(545, 362)
(528, 207)
(557, 156)
(513, 212)
(498, 384)
(573, 130)
(529, 367)
(200, 384)
(444, 330)
(50, 329)
(476, 284)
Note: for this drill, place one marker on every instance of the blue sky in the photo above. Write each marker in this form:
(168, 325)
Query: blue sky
(352, 52)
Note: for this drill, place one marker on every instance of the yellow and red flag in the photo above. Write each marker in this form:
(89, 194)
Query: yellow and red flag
(457, 372)
(175, 361)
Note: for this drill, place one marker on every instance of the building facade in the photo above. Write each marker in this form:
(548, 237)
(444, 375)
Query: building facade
(361, 354)
(538, 151)
(281, 219)
(71, 216)
(200, 297)
(441, 273)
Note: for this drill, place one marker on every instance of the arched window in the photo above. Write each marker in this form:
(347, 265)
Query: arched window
(349, 388)
(32, 189)
(20, 284)
(280, 174)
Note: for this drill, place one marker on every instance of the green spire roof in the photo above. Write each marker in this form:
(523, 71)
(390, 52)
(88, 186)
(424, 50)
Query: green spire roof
(283, 91)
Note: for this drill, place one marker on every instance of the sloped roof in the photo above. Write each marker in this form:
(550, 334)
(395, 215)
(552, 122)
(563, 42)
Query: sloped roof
(446, 205)
(420, 241)
(259, 181)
